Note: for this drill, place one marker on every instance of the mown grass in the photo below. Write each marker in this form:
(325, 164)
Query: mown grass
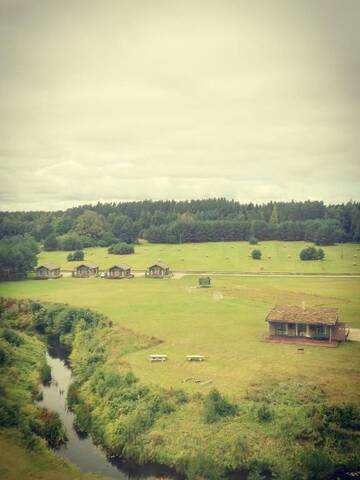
(225, 323)
(223, 257)
(17, 462)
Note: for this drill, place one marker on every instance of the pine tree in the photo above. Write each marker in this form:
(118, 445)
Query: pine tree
(274, 219)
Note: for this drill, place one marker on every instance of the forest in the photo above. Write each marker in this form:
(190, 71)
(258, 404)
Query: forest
(172, 221)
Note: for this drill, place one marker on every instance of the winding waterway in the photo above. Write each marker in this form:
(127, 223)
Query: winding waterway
(80, 449)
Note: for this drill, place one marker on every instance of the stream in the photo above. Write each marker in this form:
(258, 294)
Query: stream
(80, 449)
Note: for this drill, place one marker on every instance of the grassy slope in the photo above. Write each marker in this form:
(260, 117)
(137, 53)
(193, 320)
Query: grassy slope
(16, 463)
(229, 256)
(225, 323)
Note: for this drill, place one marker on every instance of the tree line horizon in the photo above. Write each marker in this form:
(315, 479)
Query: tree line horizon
(170, 221)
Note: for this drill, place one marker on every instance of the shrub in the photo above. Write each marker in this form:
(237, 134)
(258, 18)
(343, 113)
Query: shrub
(121, 248)
(11, 337)
(256, 254)
(48, 425)
(346, 416)
(45, 374)
(217, 406)
(264, 413)
(253, 241)
(5, 354)
(315, 464)
(77, 256)
(203, 466)
(9, 412)
(312, 253)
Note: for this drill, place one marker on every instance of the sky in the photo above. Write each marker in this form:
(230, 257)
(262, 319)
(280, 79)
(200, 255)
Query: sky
(160, 99)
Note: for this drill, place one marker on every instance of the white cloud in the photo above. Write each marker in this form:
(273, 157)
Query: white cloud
(184, 99)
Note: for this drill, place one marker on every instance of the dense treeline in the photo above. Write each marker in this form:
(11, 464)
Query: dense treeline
(185, 221)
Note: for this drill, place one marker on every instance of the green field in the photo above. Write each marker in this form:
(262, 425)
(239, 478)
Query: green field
(225, 323)
(17, 462)
(223, 257)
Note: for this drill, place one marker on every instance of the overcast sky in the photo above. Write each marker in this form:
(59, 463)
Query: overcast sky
(124, 100)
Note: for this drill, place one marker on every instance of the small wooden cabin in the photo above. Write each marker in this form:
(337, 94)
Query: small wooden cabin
(205, 282)
(119, 272)
(159, 270)
(47, 271)
(306, 324)
(86, 270)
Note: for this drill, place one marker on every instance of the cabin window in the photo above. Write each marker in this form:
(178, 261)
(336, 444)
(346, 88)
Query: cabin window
(322, 332)
(301, 330)
(280, 329)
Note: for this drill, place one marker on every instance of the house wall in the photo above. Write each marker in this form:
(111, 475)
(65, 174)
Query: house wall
(54, 273)
(157, 271)
(83, 271)
(42, 272)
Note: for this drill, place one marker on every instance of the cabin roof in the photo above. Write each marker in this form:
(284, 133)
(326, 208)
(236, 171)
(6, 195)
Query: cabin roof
(49, 266)
(122, 266)
(308, 315)
(159, 264)
(87, 265)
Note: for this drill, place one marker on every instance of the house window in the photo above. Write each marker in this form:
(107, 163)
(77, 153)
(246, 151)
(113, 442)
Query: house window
(301, 330)
(280, 329)
(322, 332)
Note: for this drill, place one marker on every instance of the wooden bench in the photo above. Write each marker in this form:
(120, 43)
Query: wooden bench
(158, 358)
(195, 358)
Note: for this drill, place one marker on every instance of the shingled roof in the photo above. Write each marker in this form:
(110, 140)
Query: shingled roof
(160, 264)
(308, 315)
(49, 266)
(88, 265)
(122, 266)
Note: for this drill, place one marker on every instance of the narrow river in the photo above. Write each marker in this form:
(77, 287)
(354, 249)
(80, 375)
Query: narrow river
(80, 449)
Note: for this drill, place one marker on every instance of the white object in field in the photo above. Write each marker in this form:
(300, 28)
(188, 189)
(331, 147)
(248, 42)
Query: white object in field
(158, 358)
(196, 358)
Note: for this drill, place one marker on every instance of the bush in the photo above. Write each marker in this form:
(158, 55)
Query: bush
(45, 374)
(203, 466)
(217, 406)
(121, 248)
(264, 413)
(77, 256)
(11, 337)
(256, 254)
(5, 354)
(315, 464)
(48, 426)
(312, 253)
(253, 241)
(9, 412)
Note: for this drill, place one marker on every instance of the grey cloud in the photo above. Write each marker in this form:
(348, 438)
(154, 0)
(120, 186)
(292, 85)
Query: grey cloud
(124, 100)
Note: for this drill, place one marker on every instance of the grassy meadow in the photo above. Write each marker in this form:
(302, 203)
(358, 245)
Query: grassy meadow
(17, 462)
(222, 257)
(226, 323)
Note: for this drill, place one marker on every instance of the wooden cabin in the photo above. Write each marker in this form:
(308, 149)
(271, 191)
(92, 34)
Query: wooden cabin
(205, 282)
(86, 270)
(47, 271)
(119, 272)
(306, 324)
(159, 270)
